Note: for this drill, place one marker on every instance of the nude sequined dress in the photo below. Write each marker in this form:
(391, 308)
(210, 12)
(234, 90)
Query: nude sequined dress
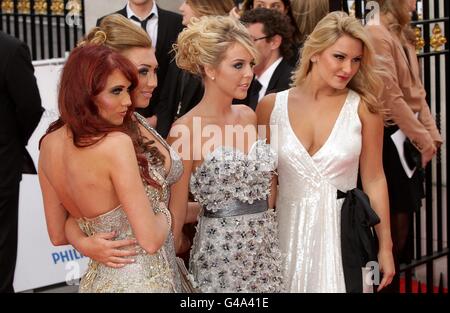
(149, 273)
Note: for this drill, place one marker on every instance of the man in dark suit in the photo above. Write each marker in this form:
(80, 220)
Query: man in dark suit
(163, 28)
(180, 94)
(273, 40)
(20, 112)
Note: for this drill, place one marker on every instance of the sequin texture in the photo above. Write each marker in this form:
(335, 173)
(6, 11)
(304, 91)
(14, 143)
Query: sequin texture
(149, 273)
(308, 210)
(236, 253)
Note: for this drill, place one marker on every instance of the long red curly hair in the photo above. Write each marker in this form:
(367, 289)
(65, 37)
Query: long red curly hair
(84, 76)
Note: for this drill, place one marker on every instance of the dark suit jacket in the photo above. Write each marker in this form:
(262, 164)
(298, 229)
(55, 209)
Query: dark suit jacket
(181, 92)
(293, 60)
(169, 26)
(280, 80)
(20, 108)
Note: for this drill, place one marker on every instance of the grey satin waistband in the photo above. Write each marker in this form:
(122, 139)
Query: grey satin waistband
(236, 207)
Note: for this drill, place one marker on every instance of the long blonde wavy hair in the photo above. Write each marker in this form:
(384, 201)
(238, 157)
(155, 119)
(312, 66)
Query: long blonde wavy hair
(367, 82)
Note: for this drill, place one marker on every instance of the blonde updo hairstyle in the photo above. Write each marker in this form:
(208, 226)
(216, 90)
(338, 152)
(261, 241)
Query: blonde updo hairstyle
(118, 33)
(367, 81)
(205, 41)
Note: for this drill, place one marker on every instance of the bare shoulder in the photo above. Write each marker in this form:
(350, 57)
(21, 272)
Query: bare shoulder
(116, 151)
(53, 139)
(116, 143)
(363, 110)
(265, 108)
(246, 114)
(47, 141)
(181, 126)
(117, 137)
(367, 117)
(187, 119)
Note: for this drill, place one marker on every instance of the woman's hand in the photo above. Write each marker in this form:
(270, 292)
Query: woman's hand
(386, 261)
(428, 154)
(101, 248)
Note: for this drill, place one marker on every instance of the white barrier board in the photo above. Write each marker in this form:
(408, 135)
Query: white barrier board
(39, 263)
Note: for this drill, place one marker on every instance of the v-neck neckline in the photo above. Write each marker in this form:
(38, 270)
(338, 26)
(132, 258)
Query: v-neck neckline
(330, 135)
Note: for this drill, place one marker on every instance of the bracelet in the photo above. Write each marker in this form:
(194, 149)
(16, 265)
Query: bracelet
(161, 208)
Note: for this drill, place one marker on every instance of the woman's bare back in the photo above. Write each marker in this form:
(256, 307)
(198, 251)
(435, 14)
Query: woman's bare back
(79, 176)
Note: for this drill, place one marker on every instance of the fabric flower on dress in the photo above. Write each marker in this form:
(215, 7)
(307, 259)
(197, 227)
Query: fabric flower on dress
(228, 174)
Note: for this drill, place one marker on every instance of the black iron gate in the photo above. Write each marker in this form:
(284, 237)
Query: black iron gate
(430, 234)
(49, 27)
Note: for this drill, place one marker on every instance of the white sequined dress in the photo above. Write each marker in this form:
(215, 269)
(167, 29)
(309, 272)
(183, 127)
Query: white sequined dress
(307, 207)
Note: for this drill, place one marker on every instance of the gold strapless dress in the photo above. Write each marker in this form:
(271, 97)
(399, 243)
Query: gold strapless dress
(150, 272)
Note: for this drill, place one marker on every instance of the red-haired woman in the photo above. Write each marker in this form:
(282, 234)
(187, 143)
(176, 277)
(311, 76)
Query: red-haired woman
(94, 166)
(165, 167)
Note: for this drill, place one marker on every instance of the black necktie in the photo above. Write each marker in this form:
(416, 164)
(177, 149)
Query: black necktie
(253, 93)
(144, 21)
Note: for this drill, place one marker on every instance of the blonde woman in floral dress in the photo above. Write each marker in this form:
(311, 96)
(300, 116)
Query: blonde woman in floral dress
(235, 248)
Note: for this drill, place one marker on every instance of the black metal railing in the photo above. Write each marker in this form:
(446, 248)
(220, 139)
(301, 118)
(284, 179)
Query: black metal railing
(49, 27)
(429, 224)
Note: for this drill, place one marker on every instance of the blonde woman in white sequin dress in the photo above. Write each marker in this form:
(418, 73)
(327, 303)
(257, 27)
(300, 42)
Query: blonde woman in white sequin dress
(327, 126)
(235, 247)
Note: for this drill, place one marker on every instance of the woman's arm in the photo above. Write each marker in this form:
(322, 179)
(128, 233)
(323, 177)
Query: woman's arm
(178, 204)
(193, 210)
(55, 213)
(374, 184)
(180, 140)
(150, 229)
(394, 100)
(263, 113)
(100, 247)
